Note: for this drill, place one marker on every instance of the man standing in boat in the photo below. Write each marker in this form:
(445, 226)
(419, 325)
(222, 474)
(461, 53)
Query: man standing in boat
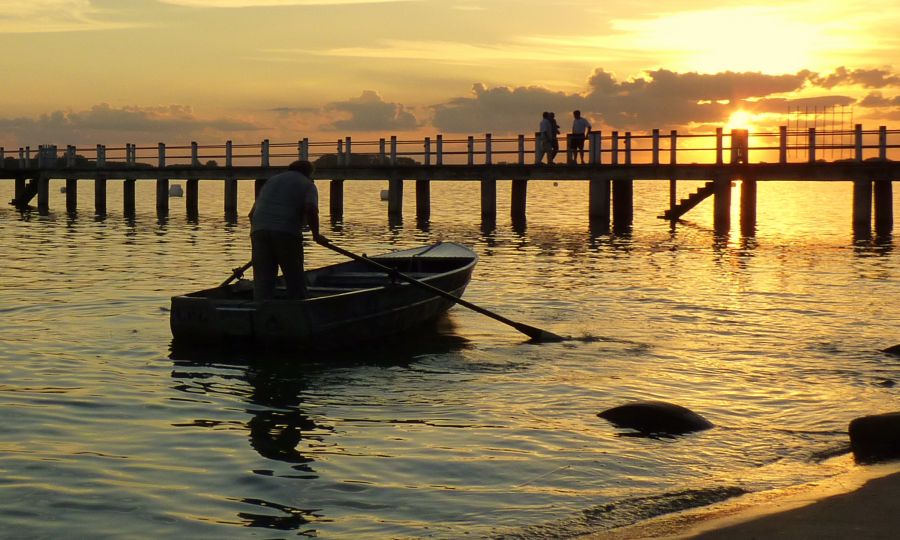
(287, 201)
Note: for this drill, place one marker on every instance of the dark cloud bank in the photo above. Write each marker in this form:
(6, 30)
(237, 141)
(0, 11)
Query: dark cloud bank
(658, 99)
(661, 99)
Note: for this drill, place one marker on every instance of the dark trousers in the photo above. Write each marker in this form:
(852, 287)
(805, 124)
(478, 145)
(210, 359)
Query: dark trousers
(271, 250)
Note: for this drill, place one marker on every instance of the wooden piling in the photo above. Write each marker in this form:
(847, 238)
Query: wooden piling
(655, 148)
(598, 188)
(519, 198)
(191, 187)
(722, 205)
(599, 204)
(264, 162)
(627, 148)
(884, 191)
(521, 149)
(162, 184)
(71, 182)
(614, 149)
(862, 204)
(811, 145)
(673, 182)
(423, 200)
(623, 204)
(43, 180)
(858, 143)
(488, 158)
(488, 199)
(884, 206)
(128, 186)
(231, 183)
(20, 180)
(782, 144)
(304, 149)
(740, 146)
(595, 148)
(100, 183)
(439, 157)
(720, 146)
(395, 191)
(748, 206)
(336, 199)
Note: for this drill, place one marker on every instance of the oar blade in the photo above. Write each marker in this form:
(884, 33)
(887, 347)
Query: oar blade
(537, 335)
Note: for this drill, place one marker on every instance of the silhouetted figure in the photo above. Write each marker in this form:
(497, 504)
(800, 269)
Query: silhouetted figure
(285, 203)
(554, 138)
(581, 127)
(545, 138)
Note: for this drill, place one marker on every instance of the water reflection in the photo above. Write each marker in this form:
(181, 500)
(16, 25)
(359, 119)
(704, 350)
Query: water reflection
(273, 386)
(865, 245)
(598, 228)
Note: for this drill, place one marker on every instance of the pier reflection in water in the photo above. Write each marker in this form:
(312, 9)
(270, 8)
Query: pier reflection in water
(773, 337)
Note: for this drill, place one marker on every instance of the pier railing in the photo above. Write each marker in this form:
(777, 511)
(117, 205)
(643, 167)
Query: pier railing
(612, 148)
(610, 163)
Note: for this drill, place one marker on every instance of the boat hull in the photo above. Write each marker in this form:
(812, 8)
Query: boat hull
(351, 305)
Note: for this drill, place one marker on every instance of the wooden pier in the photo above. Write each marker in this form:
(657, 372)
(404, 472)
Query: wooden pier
(614, 162)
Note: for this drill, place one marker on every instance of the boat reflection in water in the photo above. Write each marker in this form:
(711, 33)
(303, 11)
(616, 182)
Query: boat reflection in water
(272, 389)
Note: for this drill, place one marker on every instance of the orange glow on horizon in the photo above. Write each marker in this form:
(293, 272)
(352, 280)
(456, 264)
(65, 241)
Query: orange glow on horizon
(740, 119)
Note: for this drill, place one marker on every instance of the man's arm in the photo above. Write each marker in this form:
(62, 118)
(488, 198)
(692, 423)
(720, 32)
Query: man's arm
(312, 220)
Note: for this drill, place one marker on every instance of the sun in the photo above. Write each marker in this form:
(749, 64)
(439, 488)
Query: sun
(739, 119)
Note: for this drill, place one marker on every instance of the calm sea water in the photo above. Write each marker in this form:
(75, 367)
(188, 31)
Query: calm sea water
(466, 430)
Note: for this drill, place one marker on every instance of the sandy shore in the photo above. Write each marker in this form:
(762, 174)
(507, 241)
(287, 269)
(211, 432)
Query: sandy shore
(862, 504)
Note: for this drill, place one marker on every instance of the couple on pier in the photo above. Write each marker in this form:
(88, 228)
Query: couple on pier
(549, 137)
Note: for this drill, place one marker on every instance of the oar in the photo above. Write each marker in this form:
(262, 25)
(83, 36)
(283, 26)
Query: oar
(536, 334)
(237, 273)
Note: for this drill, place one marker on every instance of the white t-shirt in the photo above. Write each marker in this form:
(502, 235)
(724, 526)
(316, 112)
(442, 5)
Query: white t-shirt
(581, 126)
(282, 203)
(546, 126)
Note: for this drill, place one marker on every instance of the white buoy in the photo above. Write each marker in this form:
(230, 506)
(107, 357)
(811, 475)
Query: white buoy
(385, 194)
(176, 191)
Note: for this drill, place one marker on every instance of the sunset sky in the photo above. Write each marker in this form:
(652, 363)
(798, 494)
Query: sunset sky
(114, 71)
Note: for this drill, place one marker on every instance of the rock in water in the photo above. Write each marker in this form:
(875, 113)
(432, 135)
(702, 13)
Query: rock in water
(893, 350)
(876, 437)
(656, 418)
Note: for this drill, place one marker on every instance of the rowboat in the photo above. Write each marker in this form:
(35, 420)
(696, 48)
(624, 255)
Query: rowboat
(349, 303)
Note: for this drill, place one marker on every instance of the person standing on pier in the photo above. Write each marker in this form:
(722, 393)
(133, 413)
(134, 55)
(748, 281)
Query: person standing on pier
(554, 138)
(546, 138)
(287, 201)
(581, 127)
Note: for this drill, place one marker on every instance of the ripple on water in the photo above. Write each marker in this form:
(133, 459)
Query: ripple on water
(468, 429)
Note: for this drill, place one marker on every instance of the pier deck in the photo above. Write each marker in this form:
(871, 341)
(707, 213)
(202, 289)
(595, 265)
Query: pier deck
(613, 163)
